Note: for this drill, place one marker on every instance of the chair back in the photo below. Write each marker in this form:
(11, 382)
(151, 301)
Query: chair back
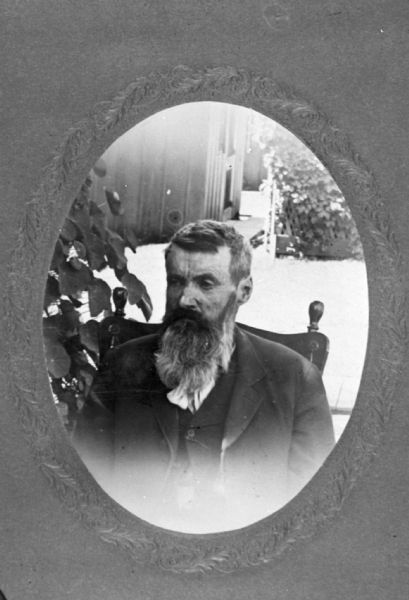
(312, 344)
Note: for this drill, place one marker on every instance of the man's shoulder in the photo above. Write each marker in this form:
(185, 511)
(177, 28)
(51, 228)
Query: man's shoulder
(274, 355)
(140, 344)
(137, 352)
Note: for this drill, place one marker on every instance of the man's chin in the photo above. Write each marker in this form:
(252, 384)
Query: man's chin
(188, 354)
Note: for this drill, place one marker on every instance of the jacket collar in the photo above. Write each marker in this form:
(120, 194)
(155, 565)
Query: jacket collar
(166, 414)
(245, 400)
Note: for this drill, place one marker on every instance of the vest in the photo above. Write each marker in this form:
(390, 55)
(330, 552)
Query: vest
(196, 469)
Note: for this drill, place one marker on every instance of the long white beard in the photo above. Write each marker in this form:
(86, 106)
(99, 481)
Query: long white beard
(191, 354)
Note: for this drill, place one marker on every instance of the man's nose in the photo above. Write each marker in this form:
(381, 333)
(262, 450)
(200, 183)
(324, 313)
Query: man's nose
(188, 298)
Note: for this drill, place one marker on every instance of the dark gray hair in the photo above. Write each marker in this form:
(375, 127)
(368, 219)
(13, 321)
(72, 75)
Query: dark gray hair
(208, 236)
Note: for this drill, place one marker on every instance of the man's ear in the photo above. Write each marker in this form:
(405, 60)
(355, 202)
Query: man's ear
(244, 289)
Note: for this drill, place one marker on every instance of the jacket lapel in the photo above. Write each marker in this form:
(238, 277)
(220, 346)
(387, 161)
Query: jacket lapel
(245, 402)
(167, 417)
(245, 399)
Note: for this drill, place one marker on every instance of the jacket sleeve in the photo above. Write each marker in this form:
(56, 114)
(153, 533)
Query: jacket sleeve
(120, 376)
(313, 434)
(93, 435)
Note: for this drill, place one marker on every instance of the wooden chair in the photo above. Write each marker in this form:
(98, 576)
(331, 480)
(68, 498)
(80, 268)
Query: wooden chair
(117, 329)
(312, 344)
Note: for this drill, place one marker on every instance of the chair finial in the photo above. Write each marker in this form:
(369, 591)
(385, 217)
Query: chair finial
(315, 311)
(120, 297)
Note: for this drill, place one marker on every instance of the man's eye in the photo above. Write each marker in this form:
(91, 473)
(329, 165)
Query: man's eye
(207, 284)
(173, 281)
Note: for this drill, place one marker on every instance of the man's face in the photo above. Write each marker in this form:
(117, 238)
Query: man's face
(201, 282)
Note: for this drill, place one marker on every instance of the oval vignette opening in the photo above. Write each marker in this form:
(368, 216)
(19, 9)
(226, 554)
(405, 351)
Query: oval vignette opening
(155, 451)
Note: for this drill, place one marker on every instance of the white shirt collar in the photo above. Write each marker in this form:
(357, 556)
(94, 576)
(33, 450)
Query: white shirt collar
(181, 399)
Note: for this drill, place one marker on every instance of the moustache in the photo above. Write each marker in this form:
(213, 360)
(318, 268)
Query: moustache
(187, 315)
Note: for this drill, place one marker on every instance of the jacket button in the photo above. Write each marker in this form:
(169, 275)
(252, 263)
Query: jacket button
(190, 434)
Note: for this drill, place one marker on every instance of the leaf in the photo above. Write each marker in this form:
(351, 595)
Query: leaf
(58, 361)
(138, 294)
(76, 303)
(113, 235)
(52, 291)
(119, 273)
(135, 287)
(58, 256)
(70, 317)
(115, 252)
(72, 342)
(79, 360)
(131, 238)
(114, 202)
(86, 374)
(83, 195)
(99, 296)
(79, 213)
(98, 220)
(69, 231)
(66, 248)
(145, 305)
(80, 249)
(75, 263)
(74, 281)
(95, 252)
(53, 327)
(89, 336)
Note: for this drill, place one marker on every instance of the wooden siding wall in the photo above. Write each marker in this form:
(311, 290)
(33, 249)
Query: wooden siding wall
(183, 164)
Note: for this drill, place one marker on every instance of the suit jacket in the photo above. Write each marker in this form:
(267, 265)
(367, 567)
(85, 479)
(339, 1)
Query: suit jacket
(276, 432)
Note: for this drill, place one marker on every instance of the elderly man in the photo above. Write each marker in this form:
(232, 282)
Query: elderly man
(204, 426)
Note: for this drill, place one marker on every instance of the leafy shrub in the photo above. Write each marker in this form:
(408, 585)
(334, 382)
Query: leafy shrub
(310, 205)
(314, 209)
(76, 299)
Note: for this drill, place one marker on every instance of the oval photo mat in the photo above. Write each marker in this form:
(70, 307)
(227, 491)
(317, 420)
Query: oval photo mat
(45, 212)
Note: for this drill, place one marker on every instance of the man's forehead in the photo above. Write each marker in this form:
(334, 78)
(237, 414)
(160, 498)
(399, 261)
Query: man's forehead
(179, 258)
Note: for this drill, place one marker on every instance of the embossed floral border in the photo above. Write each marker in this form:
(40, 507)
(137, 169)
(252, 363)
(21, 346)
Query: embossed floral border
(44, 214)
